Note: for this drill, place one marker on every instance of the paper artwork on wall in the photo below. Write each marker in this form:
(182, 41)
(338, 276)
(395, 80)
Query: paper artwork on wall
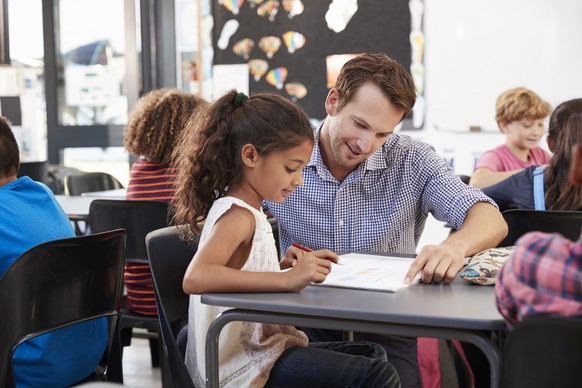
(277, 77)
(227, 77)
(333, 64)
(268, 9)
(339, 14)
(293, 40)
(293, 7)
(228, 30)
(416, 38)
(253, 3)
(243, 47)
(296, 90)
(258, 68)
(232, 5)
(270, 45)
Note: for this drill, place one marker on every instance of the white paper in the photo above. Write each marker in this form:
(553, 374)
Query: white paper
(370, 272)
(227, 77)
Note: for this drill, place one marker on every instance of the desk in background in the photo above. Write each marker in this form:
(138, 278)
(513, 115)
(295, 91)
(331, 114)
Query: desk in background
(457, 311)
(107, 194)
(77, 206)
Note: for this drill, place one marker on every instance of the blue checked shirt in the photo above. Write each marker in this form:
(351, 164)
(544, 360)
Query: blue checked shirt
(381, 206)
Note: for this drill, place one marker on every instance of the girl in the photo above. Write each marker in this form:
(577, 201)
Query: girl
(520, 115)
(556, 191)
(155, 124)
(244, 151)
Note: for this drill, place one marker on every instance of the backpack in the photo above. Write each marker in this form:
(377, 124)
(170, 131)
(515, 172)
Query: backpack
(538, 188)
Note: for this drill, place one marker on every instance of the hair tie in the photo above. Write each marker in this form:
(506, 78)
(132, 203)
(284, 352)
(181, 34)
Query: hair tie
(240, 99)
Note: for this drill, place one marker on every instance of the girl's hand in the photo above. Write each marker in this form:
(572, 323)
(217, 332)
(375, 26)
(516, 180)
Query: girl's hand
(310, 267)
(291, 257)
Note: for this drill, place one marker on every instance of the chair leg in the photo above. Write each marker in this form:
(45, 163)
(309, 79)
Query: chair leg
(156, 351)
(115, 368)
(167, 381)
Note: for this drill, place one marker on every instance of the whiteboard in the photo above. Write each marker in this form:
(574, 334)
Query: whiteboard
(477, 49)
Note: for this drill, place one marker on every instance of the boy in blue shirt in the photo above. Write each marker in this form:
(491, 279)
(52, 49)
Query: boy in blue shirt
(30, 215)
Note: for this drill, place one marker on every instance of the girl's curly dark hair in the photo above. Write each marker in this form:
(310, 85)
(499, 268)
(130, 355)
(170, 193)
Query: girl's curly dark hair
(560, 193)
(157, 121)
(208, 158)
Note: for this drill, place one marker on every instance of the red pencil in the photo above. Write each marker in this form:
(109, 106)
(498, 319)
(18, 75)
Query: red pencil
(311, 250)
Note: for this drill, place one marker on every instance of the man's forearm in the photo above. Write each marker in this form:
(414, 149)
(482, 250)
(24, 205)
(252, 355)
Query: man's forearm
(484, 227)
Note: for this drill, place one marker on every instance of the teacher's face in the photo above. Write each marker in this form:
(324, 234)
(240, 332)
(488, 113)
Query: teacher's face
(361, 126)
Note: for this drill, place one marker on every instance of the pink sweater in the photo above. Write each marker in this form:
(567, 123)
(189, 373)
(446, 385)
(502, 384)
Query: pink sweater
(501, 159)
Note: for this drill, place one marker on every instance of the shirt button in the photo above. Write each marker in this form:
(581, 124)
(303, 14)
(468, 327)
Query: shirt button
(341, 223)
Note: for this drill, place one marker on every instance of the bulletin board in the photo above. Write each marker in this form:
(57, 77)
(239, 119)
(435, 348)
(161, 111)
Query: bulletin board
(298, 68)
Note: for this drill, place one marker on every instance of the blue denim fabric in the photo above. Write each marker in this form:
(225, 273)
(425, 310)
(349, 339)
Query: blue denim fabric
(402, 352)
(334, 364)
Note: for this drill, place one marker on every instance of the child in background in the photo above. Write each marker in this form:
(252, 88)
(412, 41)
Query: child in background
(520, 115)
(30, 215)
(155, 125)
(555, 190)
(544, 274)
(244, 151)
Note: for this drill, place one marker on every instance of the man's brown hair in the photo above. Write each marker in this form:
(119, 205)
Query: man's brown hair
(390, 76)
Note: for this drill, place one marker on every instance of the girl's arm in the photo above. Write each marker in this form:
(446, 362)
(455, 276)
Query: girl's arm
(216, 265)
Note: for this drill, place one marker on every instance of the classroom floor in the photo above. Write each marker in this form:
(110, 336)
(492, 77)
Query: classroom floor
(137, 366)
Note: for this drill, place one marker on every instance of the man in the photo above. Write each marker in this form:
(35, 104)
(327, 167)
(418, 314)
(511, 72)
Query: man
(368, 189)
(30, 215)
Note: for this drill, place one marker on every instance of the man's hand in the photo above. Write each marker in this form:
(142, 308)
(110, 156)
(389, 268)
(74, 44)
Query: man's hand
(437, 263)
(484, 227)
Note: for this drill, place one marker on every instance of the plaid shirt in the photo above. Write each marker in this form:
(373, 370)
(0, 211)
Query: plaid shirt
(381, 206)
(543, 276)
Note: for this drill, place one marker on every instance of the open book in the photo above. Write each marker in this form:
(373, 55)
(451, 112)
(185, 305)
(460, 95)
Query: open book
(370, 272)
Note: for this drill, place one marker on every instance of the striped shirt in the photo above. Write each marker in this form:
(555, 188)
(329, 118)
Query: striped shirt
(381, 206)
(148, 181)
(543, 276)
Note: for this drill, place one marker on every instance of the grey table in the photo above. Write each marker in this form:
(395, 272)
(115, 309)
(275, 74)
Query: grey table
(457, 311)
(107, 194)
(76, 207)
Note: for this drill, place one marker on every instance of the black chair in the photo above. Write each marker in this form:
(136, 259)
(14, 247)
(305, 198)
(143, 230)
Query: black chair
(522, 221)
(543, 352)
(464, 178)
(37, 171)
(60, 283)
(138, 218)
(169, 257)
(77, 184)
(275, 227)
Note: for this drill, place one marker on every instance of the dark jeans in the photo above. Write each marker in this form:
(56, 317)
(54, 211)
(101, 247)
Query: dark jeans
(402, 352)
(334, 364)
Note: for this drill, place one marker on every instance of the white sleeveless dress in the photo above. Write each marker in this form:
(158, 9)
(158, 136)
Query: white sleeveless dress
(247, 350)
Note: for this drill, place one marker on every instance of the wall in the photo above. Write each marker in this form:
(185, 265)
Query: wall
(477, 49)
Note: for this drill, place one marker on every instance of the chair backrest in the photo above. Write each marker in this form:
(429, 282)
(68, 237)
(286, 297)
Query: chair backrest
(57, 284)
(138, 218)
(77, 184)
(521, 221)
(37, 171)
(169, 257)
(543, 351)
(465, 178)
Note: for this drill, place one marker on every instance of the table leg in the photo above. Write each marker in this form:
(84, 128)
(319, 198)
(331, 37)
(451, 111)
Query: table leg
(475, 337)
